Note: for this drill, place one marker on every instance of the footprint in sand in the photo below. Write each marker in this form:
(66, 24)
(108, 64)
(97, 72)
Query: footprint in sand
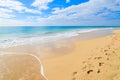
(98, 58)
(98, 71)
(101, 63)
(89, 71)
(105, 50)
(74, 74)
(106, 53)
(108, 59)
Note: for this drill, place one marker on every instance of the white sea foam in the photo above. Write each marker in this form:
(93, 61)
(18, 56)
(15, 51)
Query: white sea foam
(45, 38)
(41, 66)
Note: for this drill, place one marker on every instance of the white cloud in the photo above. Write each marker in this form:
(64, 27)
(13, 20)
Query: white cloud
(67, 1)
(41, 4)
(5, 10)
(83, 14)
(33, 11)
(16, 5)
(8, 9)
(12, 4)
(92, 12)
(6, 13)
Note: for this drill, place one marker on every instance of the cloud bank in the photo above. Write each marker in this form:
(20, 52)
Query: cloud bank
(93, 12)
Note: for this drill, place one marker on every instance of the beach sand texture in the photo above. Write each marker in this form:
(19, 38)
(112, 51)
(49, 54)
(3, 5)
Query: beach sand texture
(96, 59)
(93, 59)
(19, 67)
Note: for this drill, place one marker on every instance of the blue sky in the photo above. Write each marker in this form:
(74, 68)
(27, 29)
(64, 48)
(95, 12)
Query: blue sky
(59, 12)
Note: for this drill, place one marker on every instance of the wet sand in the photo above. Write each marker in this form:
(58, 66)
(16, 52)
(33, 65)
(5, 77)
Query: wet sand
(75, 59)
(20, 67)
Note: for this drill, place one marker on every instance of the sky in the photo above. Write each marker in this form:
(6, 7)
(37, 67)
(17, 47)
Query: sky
(59, 12)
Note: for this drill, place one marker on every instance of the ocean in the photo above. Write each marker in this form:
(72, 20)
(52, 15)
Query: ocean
(20, 35)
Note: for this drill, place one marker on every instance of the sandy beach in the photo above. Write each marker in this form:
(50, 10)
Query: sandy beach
(59, 39)
(90, 59)
(95, 59)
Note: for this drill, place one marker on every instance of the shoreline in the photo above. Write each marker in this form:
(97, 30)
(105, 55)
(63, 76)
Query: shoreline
(46, 48)
(90, 59)
(72, 59)
(26, 54)
(20, 64)
(55, 37)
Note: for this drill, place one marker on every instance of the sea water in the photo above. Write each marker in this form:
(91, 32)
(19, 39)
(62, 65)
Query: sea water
(20, 35)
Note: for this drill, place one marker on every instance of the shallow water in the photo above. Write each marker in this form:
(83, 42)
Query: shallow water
(12, 36)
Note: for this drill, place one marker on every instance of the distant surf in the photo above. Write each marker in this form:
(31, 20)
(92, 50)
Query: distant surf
(14, 36)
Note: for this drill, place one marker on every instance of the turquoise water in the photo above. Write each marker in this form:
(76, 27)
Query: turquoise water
(22, 35)
(7, 32)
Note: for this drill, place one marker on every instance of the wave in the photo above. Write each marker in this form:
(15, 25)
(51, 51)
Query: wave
(45, 38)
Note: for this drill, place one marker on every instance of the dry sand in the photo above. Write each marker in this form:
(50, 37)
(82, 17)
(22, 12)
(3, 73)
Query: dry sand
(94, 59)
